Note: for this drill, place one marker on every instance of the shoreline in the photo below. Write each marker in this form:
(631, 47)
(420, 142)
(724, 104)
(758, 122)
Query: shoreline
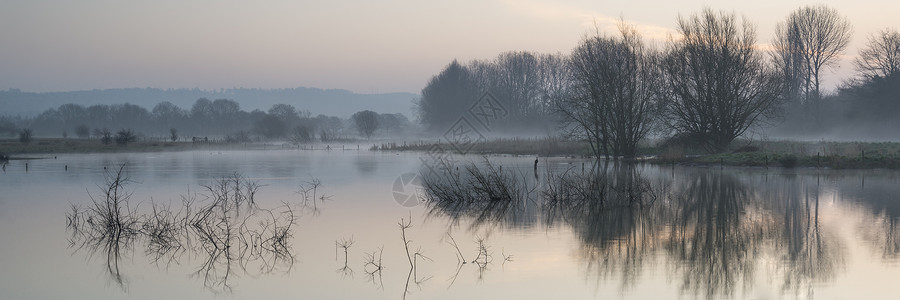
(779, 154)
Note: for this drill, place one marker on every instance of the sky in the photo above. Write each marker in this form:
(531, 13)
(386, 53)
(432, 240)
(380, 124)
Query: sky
(358, 45)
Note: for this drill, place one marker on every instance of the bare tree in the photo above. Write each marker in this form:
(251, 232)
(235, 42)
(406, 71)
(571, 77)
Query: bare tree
(556, 82)
(717, 82)
(301, 134)
(789, 58)
(366, 122)
(26, 135)
(105, 135)
(813, 37)
(515, 82)
(614, 96)
(82, 131)
(881, 56)
(125, 136)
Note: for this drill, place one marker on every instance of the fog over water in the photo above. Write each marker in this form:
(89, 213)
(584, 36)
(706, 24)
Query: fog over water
(657, 231)
(467, 150)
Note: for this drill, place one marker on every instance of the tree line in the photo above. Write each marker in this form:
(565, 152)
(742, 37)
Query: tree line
(221, 118)
(709, 84)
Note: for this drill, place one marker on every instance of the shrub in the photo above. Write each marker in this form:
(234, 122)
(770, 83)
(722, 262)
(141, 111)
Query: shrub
(788, 161)
(26, 135)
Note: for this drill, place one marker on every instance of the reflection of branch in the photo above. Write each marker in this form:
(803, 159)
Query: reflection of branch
(459, 266)
(460, 256)
(412, 258)
(309, 196)
(259, 239)
(403, 226)
(406, 286)
(109, 225)
(416, 265)
(345, 271)
(484, 258)
(373, 267)
(506, 258)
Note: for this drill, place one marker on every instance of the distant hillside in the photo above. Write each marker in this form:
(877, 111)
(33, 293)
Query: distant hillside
(341, 103)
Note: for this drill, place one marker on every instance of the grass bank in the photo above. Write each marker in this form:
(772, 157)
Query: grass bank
(548, 146)
(786, 154)
(790, 154)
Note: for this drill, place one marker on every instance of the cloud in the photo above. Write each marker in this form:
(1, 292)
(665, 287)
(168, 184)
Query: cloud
(555, 12)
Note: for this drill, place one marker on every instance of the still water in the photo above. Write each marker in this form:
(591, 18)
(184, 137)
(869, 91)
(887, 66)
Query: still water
(658, 232)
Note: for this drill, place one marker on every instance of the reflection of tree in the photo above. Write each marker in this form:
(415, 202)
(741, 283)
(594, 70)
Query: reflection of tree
(884, 234)
(612, 212)
(710, 227)
(807, 252)
(713, 239)
(486, 194)
(878, 195)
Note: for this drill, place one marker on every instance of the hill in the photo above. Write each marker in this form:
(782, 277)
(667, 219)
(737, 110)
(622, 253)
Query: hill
(334, 102)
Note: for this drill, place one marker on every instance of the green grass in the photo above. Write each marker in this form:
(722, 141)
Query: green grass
(788, 154)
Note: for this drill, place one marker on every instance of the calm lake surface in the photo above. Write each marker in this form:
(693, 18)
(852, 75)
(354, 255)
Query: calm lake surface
(670, 232)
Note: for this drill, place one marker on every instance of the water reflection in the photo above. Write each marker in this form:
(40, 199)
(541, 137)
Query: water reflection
(109, 226)
(878, 196)
(715, 233)
(711, 233)
(808, 251)
(366, 165)
(222, 227)
(610, 208)
(486, 194)
(709, 228)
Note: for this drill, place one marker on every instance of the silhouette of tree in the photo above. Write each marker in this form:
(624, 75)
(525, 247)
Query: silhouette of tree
(366, 122)
(811, 37)
(270, 126)
(446, 97)
(881, 56)
(106, 136)
(82, 131)
(125, 136)
(613, 99)
(7, 126)
(301, 134)
(716, 82)
(26, 135)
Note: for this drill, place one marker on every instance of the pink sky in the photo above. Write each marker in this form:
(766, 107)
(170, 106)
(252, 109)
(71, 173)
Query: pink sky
(363, 46)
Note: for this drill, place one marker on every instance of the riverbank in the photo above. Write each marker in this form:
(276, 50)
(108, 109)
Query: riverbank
(763, 159)
(791, 154)
(548, 146)
(15, 149)
(785, 154)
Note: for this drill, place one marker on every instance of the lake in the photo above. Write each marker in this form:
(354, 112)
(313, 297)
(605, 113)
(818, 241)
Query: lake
(384, 225)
